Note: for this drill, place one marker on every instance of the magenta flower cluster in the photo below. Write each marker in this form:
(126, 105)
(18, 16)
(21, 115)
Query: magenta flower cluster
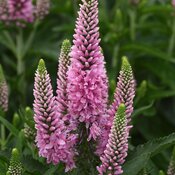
(124, 93)
(87, 80)
(23, 11)
(81, 101)
(117, 146)
(55, 131)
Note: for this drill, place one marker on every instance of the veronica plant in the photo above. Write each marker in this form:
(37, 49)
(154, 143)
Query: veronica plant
(80, 108)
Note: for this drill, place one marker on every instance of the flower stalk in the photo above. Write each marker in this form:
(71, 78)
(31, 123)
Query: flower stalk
(117, 146)
(87, 80)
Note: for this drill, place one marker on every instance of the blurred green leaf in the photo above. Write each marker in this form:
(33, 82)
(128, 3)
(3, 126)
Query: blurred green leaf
(7, 41)
(131, 168)
(157, 9)
(142, 109)
(145, 49)
(9, 126)
(33, 166)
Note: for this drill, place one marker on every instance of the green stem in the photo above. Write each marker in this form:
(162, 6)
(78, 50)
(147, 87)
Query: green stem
(132, 14)
(75, 6)
(20, 66)
(19, 54)
(172, 40)
(115, 57)
(87, 161)
(2, 136)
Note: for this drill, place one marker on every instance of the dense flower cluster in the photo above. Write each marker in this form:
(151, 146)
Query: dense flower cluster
(20, 10)
(64, 62)
(117, 146)
(87, 80)
(4, 91)
(81, 101)
(15, 167)
(42, 8)
(124, 93)
(23, 11)
(54, 140)
(29, 133)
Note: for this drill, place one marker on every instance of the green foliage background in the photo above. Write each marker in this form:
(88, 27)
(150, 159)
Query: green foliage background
(145, 32)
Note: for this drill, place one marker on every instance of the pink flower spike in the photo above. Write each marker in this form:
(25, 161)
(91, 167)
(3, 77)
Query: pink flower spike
(64, 62)
(54, 141)
(87, 80)
(20, 11)
(4, 91)
(44, 113)
(117, 146)
(124, 93)
(125, 90)
(42, 8)
(70, 124)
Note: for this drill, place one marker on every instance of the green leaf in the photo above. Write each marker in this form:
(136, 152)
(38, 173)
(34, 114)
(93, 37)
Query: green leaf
(3, 156)
(157, 94)
(20, 45)
(134, 168)
(29, 42)
(157, 9)
(2, 168)
(8, 61)
(51, 170)
(7, 41)
(144, 152)
(149, 50)
(9, 126)
(33, 165)
(142, 109)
